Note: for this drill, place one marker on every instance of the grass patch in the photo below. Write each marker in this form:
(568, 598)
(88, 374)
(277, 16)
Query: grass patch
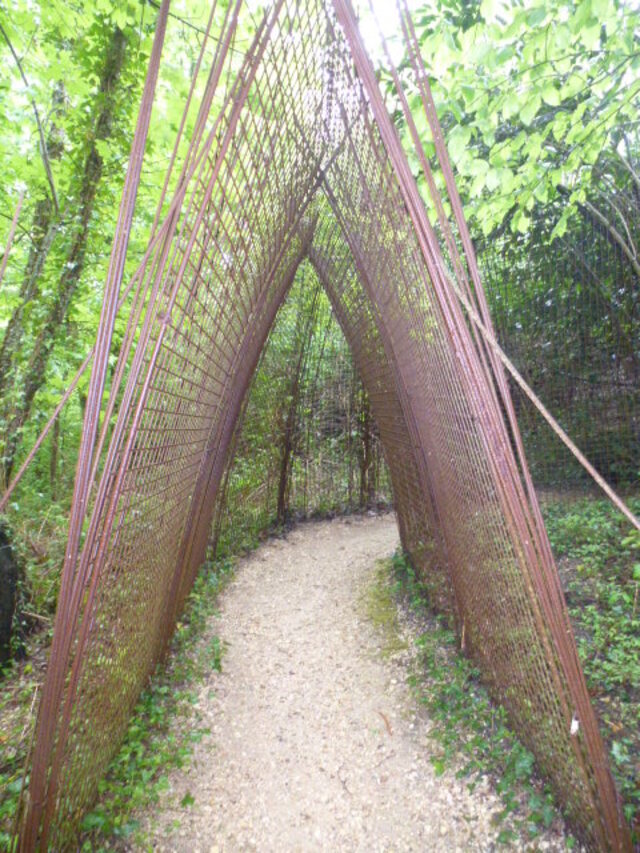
(382, 611)
(471, 732)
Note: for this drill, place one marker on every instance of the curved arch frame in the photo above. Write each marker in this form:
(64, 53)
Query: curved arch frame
(307, 167)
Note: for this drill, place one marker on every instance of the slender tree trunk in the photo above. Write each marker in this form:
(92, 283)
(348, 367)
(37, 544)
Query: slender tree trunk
(366, 457)
(291, 421)
(44, 227)
(287, 450)
(53, 460)
(8, 592)
(74, 265)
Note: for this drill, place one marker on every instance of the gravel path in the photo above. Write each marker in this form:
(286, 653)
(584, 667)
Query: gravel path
(316, 742)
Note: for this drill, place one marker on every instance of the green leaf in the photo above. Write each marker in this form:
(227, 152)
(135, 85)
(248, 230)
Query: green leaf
(478, 167)
(548, 814)
(523, 765)
(541, 192)
(187, 800)
(510, 105)
(15, 786)
(590, 36)
(521, 222)
(492, 179)
(536, 16)
(506, 836)
(93, 820)
(580, 17)
(458, 142)
(530, 109)
(619, 752)
(550, 95)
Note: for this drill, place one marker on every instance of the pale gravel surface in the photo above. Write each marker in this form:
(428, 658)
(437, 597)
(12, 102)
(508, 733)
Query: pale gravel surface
(316, 742)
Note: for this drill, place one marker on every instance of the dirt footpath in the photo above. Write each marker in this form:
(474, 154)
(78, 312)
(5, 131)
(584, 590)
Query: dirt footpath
(316, 742)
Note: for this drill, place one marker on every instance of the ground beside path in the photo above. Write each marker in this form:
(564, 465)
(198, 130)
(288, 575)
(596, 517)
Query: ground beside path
(316, 742)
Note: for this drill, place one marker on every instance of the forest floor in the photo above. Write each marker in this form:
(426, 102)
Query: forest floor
(316, 740)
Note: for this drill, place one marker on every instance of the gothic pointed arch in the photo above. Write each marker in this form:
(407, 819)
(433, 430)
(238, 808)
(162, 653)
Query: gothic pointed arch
(300, 159)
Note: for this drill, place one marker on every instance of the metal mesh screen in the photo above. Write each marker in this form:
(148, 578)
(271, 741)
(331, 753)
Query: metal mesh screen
(300, 161)
(565, 312)
(306, 444)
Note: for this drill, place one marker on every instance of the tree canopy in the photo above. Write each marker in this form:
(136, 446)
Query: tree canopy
(539, 102)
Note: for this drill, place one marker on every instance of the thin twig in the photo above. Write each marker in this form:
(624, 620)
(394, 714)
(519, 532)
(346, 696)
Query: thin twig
(630, 240)
(629, 168)
(617, 236)
(12, 234)
(37, 616)
(387, 724)
(43, 144)
(195, 27)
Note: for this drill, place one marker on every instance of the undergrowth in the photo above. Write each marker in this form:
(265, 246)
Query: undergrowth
(599, 562)
(153, 744)
(471, 732)
(20, 683)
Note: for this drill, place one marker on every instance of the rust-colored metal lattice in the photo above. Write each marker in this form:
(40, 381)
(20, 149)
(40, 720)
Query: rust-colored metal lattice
(299, 160)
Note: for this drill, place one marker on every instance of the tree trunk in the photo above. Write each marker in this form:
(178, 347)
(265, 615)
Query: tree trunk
(44, 227)
(303, 340)
(74, 265)
(8, 592)
(287, 450)
(367, 482)
(53, 460)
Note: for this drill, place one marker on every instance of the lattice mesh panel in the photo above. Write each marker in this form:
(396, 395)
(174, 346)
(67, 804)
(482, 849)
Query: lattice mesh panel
(565, 314)
(305, 444)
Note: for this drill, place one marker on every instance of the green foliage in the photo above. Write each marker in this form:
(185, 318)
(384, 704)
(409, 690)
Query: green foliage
(306, 408)
(538, 103)
(564, 312)
(600, 565)
(19, 690)
(530, 96)
(468, 727)
(599, 562)
(153, 744)
(539, 107)
(63, 48)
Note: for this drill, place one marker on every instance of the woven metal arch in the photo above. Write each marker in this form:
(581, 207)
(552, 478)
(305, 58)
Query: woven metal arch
(294, 157)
